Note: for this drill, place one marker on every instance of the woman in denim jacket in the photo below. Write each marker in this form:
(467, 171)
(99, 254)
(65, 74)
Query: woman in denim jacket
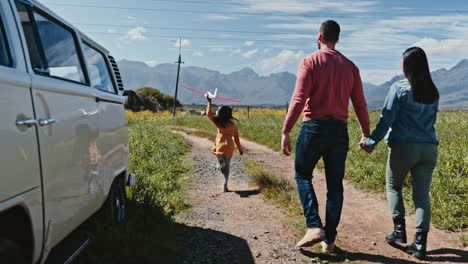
(408, 117)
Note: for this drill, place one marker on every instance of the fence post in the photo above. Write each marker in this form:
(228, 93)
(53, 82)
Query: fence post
(287, 107)
(248, 112)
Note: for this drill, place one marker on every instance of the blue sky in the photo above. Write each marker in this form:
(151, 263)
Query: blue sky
(273, 35)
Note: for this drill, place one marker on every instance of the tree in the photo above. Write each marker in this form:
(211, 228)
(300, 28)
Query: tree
(165, 100)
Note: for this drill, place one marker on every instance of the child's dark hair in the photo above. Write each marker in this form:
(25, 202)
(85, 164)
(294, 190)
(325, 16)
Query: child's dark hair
(224, 116)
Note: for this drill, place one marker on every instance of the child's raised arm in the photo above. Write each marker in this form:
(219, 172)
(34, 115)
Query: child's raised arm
(209, 113)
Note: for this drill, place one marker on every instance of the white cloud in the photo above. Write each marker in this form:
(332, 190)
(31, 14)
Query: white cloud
(152, 63)
(445, 47)
(249, 53)
(184, 43)
(249, 43)
(217, 49)
(197, 53)
(380, 76)
(136, 33)
(219, 17)
(280, 61)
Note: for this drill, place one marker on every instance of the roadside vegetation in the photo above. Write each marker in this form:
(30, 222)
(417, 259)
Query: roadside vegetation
(149, 232)
(449, 193)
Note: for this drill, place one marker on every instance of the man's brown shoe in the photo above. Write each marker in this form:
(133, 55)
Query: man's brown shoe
(312, 237)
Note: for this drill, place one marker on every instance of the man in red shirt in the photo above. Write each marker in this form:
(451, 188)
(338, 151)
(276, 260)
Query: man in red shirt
(326, 81)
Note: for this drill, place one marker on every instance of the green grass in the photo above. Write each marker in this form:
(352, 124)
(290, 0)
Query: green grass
(276, 188)
(449, 189)
(149, 232)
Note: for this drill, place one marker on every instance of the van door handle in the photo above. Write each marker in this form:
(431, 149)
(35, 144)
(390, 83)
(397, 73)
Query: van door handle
(45, 122)
(27, 122)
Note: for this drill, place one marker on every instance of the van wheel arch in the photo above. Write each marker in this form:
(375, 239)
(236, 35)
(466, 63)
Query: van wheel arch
(114, 208)
(18, 236)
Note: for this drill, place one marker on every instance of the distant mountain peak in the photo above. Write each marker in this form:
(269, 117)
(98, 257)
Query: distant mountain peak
(461, 64)
(247, 70)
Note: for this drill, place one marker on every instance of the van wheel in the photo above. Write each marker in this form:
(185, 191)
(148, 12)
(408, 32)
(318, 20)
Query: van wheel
(12, 252)
(115, 207)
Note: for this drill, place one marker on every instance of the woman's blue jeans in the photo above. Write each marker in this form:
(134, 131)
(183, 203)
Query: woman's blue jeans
(327, 139)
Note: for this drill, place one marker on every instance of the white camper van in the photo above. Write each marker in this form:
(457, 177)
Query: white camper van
(63, 138)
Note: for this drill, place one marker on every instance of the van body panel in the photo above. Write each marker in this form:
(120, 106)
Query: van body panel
(113, 138)
(61, 172)
(69, 174)
(20, 164)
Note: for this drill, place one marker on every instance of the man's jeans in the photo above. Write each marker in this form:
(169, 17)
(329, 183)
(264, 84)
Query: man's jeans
(327, 139)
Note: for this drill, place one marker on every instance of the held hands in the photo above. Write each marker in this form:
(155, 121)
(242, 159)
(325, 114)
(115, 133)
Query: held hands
(286, 144)
(364, 147)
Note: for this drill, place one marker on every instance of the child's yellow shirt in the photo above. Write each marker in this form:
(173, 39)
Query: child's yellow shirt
(224, 144)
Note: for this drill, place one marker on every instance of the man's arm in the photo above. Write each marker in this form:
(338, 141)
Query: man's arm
(299, 97)
(359, 104)
(296, 106)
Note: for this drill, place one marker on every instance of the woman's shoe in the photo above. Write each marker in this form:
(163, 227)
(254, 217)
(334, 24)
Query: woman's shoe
(399, 232)
(418, 248)
(328, 248)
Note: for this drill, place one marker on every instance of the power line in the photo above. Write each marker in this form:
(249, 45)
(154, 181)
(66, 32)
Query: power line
(293, 32)
(185, 29)
(293, 5)
(225, 13)
(241, 32)
(262, 40)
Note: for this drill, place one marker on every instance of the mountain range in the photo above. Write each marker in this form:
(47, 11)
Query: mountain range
(276, 89)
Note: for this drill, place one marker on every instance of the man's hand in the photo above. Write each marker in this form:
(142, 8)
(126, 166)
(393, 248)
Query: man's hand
(364, 147)
(286, 144)
(241, 152)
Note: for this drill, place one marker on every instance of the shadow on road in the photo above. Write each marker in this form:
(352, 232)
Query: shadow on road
(246, 194)
(198, 245)
(439, 255)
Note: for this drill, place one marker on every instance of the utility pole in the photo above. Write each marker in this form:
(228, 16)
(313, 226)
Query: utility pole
(177, 80)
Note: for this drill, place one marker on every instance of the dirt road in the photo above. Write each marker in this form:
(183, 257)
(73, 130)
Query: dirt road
(239, 227)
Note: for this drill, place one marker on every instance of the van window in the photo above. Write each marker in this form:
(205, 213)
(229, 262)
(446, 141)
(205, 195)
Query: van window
(5, 58)
(52, 47)
(98, 70)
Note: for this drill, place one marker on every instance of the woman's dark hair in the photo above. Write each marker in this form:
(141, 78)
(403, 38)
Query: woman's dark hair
(224, 116)
(416, 69)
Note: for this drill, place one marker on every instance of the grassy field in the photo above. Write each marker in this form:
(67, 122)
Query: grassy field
(148, 234)
(449, 190)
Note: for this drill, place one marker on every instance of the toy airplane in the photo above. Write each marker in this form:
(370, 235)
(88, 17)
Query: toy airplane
(210, 95)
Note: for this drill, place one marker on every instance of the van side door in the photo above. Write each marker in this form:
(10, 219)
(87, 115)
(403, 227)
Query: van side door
(66, 109)
(19, 162)
(112, 143)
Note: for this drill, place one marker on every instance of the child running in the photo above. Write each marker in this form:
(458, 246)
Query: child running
(224, 145)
